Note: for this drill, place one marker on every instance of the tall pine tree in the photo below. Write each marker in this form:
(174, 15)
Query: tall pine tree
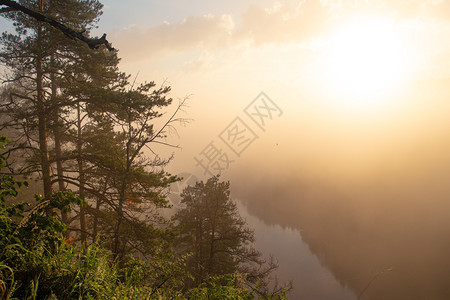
(77, 114)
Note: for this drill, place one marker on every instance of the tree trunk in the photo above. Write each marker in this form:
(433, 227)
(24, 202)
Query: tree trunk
(97, 213)
(57, 134)
(211, 251)
(81, 177)
(199, 253)
(117, 244)
(122, 195)
(95, 222)
(42, 113)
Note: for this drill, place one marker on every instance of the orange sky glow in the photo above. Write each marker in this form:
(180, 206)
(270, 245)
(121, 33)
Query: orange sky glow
(335, 67)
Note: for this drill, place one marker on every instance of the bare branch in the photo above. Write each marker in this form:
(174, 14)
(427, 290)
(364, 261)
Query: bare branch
(170, 120)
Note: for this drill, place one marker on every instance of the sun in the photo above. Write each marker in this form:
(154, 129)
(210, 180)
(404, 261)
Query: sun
(365, 60)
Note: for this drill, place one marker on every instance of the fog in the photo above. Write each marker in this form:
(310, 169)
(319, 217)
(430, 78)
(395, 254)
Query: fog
(375, 216)
(358, 188)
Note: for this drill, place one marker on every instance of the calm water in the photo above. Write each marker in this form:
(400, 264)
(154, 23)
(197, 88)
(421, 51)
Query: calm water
(388, 237)
(296, 262)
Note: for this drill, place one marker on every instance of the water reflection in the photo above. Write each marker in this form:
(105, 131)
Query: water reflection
(369, 195)
(387, 239)
(296, 262)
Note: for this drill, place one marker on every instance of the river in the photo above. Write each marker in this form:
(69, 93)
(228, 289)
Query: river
(311, 280)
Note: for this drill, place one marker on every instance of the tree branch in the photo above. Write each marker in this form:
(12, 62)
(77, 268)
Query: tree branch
(6, 9)
(93, 43)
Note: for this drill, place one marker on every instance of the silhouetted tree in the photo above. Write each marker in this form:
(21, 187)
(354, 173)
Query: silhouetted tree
(219, 240)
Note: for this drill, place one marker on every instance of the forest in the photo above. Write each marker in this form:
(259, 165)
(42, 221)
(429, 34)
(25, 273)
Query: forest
(83, 185)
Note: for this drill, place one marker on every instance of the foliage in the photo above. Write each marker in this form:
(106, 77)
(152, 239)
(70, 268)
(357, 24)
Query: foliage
(94, 124)
(220, 242)
(72, 273)
(36, 262)
(25, 237)
(126, 182)
(45, 65)
(229, 286)
(212, 230)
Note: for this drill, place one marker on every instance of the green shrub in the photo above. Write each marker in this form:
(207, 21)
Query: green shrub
(37, 263)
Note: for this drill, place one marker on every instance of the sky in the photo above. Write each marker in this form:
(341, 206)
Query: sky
(344, 68)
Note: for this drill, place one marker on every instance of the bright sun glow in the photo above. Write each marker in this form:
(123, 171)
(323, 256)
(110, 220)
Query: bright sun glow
(365, 61)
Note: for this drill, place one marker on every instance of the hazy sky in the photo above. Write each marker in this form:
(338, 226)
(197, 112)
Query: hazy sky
(352, 76)
(206, 35)
(335, 68)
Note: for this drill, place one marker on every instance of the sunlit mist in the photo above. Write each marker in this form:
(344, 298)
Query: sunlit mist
(365, 61)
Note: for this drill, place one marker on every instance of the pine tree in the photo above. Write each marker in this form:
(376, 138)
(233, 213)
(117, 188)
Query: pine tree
(66, 102)
(36, 55)
(219, 240)
(132, 184)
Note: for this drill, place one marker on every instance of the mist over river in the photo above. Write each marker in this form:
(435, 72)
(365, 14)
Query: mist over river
(311, 280)
(352, 205)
